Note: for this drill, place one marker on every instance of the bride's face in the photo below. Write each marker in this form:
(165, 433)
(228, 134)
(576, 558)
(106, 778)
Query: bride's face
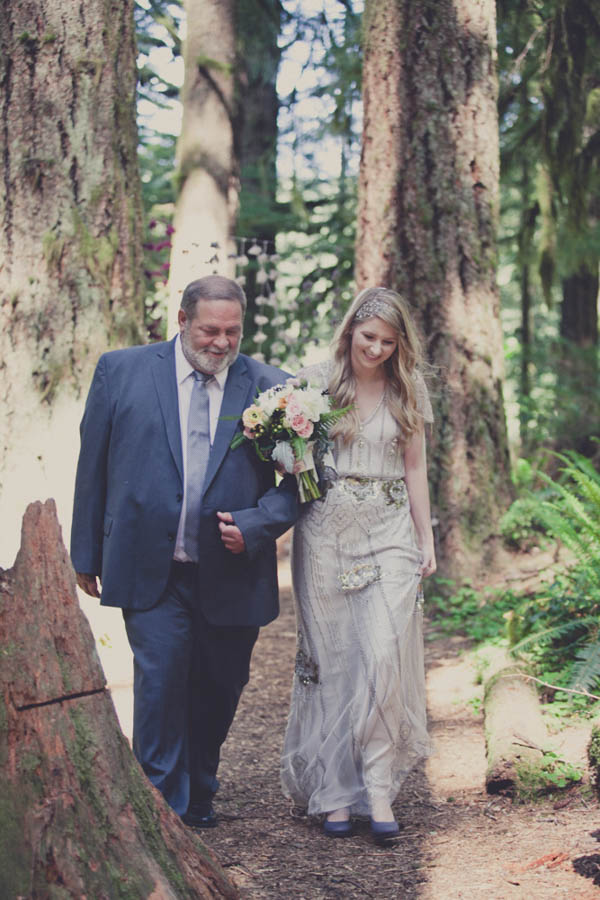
(373, 341)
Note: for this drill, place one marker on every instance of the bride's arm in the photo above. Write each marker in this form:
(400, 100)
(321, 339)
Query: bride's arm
(415, 465)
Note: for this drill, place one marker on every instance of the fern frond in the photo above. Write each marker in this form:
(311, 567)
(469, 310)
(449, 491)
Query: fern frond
(588, 483)
(585, 673)
(555, 632)
(569, 532)
(573, 507)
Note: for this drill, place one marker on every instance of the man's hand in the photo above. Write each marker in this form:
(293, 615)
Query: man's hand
(231, 535)
(88, 583)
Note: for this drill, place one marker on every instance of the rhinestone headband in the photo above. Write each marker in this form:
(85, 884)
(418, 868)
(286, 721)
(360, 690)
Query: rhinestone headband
(371, 308)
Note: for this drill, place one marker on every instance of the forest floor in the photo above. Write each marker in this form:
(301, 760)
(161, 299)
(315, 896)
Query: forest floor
(456, 841)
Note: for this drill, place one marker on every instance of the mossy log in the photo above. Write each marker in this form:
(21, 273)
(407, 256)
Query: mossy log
(515, 734)
(78, 818)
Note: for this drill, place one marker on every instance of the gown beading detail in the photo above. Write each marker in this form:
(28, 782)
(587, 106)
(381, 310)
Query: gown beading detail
(357, 722)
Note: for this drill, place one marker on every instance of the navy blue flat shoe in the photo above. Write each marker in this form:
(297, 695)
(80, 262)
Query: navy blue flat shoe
(200, 815)
(337, 829)
(384, 831)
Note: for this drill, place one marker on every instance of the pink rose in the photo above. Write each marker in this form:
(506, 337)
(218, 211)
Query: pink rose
(293, 408)
(302, 426)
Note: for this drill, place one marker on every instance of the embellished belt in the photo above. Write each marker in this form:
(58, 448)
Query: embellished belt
(392, 490)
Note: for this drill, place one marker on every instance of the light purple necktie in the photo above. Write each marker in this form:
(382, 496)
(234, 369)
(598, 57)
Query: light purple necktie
(197, 453)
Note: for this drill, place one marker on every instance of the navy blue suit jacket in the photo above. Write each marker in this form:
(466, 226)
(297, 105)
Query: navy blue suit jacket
(129, 490)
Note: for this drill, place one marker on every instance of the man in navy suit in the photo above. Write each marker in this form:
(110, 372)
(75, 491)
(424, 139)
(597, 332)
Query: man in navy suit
(192, 605)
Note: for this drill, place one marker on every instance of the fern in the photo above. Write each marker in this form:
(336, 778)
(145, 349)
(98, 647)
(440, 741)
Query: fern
(586, 670)
(573, 517)
(554, 633)
(563, 622)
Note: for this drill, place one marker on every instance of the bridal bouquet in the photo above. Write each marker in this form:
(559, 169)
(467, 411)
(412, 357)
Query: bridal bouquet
(289, 424)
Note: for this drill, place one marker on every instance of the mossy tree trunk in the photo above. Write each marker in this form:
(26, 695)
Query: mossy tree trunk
(207, 167)
(70, 241)
(78, 818)
(427, 218)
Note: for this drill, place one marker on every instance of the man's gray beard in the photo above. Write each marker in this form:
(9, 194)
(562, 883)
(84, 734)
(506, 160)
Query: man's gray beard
(203, 361)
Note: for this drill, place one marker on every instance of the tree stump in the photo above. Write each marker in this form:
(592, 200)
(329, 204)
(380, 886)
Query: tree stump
(78, 818)
(515, 734)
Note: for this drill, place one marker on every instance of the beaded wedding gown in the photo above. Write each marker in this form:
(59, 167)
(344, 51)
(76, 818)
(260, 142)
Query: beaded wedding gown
(357, 723)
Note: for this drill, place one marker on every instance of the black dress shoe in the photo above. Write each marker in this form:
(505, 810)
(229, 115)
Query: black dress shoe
(200, 814)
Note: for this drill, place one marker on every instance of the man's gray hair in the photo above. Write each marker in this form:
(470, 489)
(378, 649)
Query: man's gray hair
(211, 287)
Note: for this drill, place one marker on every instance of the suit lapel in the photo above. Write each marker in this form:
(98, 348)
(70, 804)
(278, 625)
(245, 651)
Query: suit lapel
(235, 400)
(165, 382)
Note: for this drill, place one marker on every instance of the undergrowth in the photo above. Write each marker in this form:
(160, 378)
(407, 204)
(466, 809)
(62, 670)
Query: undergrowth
(553, 773)
(557, 626)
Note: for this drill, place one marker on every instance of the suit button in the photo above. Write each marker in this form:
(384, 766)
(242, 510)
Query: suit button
(170, 536)
(179, 498)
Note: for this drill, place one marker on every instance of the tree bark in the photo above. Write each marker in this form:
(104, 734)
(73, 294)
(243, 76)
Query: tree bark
(579, 308)
(577, 395)
(70, 242)
(78, 817)
(427, 219)
(207, 168)
(257, 108)
(258, 25)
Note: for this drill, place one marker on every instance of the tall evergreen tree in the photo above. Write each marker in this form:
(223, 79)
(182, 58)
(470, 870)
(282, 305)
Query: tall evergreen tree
(258, 26)
(207, 167)
(550, 124)
(71, 274)
(428, 207)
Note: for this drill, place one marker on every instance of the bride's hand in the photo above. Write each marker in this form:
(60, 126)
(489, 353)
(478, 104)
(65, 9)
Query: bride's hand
(429, 564)
(429, 567)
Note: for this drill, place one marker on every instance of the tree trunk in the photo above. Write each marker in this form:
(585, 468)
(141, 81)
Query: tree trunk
(579, 308)
(577, 400)
(257, 108)
(427, 218)
(207, 169)
(525, 369)
(78, 816)
(70, 243)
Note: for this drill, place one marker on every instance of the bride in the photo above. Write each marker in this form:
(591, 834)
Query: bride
(357, 723)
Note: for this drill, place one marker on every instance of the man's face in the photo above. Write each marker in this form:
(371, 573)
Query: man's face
(211, 340)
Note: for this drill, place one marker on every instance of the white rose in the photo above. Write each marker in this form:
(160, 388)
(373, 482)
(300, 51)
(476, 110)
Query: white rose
(313, 403)
(268, 402)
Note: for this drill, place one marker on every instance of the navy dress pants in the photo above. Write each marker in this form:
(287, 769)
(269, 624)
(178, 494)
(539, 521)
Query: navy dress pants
(188, 679)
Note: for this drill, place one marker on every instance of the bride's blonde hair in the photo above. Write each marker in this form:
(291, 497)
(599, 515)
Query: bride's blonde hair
(400, 368)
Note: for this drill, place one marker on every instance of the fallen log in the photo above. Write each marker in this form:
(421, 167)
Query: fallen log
(515, 733)
(78, 818)
(593, 755)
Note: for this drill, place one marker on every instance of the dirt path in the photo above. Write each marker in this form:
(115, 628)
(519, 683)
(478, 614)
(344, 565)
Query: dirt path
(456, 841)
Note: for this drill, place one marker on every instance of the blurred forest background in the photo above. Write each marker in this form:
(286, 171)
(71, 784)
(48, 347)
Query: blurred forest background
(446, 148)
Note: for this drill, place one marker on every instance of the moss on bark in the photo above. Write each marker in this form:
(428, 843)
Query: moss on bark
(428, 206)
